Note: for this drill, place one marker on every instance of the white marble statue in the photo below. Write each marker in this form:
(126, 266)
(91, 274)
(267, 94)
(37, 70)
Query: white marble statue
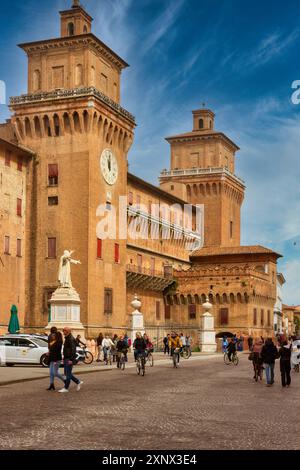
(64, 274)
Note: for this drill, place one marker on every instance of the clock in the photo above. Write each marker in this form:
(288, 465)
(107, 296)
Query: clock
(109, 167)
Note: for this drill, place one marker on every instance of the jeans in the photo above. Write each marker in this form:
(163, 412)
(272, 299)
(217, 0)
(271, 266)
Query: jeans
(105, 352)
(54, 371)
(69, 375)
(270, 373)
(166, 349)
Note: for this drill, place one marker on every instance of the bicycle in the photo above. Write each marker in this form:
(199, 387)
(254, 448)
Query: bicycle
(186, 352)
(175, 357)
(108, 360)
(140, 364)
(234, 359)
(82, 355)
(121, 360)
(149, 358)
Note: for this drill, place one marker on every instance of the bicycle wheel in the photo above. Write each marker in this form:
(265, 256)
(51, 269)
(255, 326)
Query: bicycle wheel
(226, 359)
(151, 360)
(138, 366)
(88, 357)
(186, 353)
(235, 360)
(175, 361)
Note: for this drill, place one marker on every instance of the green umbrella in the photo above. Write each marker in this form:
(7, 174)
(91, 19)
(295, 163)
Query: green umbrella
(14, 326)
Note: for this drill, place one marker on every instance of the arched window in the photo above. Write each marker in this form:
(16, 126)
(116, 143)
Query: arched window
(201, 124)
(71, 29)
(85, 30)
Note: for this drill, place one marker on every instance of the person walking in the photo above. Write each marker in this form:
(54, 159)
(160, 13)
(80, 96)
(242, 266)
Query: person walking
(107, 345)
(257, 359)
(99, 346)
(69, 354)
(55, 343)
(166, 344)
(269, 354)
(250, 342)
(285, 353)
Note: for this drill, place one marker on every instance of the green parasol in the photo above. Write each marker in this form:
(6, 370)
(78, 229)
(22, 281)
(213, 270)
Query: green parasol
(14, 326)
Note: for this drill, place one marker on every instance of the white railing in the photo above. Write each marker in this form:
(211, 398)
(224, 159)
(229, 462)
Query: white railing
(199, 171)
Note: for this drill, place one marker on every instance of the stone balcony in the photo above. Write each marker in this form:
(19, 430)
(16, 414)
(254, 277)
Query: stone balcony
(145, 278)
(201, 172)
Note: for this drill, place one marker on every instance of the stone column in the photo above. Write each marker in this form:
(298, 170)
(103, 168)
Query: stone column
(137, 318)
(207, 333)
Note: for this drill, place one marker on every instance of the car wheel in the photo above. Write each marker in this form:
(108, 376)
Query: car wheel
(43, 361)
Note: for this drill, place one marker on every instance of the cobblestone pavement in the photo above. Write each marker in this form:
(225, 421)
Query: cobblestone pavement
(201, 405)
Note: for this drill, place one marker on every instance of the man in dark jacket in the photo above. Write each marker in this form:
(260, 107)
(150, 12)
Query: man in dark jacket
(231, 348)
(269, 354)
(69, 354)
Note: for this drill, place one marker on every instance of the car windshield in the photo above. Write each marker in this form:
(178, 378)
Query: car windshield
(39, 342)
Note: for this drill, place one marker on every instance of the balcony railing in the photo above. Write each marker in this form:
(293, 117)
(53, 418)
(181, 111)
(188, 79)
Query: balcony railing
(199, 171)
(147, 278)
(71, 93)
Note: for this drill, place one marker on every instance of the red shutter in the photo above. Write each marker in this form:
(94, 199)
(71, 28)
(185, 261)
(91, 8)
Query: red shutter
(6, 245)
(192, 312)
(99, 248)
(117, 253)
(51, 247)
(7, 158)
(157, 308)
(20, 163)
(53, 174)
(167, 312)
(19, 207)
(19, 247)
(255, 317)
(224, 316)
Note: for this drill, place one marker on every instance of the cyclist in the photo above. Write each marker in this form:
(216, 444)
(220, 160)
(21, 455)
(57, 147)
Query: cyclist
(174, 343)
(231, 349)
(122, 348)
(139, 346)
(107, 345)
(79, 343)
(148, 343)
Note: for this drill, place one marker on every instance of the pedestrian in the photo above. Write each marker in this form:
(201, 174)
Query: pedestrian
(231, 349)
(121, 348)
(240, 343)
(55, 343)
(79, 343)
(107, 345)
(285, 363)
(166, 345)
(269, 354)
(250, 342)
(224, 344)
(114, 348)
(69, 354)
(99, 346)
(183, 340)
(256, 358)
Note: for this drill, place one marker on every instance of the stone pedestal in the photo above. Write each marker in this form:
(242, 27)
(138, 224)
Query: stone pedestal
(65, 311)
(207, 333)
(137, 319)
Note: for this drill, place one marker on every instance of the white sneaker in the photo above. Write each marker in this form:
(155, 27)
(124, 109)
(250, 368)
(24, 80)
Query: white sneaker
(63, 390)
(79, 386)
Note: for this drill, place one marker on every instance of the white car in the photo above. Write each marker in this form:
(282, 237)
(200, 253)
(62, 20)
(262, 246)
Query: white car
(22, 349)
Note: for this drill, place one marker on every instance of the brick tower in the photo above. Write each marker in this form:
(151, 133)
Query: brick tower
(72, 119)
(202, 172)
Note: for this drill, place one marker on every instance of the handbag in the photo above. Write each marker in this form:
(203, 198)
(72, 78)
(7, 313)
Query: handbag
(251, 356)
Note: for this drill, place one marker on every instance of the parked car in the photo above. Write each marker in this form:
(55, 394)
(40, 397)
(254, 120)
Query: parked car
(23, 349)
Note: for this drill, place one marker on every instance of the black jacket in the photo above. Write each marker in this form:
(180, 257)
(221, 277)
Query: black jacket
(285, 354)
(70, 348)
(231, 347)
(140, 344)
(55, 347)
(122, 346)
(269, 353)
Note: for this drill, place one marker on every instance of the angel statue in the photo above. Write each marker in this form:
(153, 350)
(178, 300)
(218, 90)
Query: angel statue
(64, 274)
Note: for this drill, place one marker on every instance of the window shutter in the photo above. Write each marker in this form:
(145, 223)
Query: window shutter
(53, 174)
(117, 253)
(167, 312)
(51, 247)
(262, 317)
(19, 247)
(255, 317)
(20, 163)
(99, 248)
(224, 316)
(192, 312)
(157, 308)
(6, 245)
(19, 207)
(108, 301)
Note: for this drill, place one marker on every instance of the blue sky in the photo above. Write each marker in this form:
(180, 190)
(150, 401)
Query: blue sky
(240, 57)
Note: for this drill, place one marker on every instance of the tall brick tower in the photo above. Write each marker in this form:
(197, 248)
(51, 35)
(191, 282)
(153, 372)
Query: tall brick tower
(72, 118)
(202, 172)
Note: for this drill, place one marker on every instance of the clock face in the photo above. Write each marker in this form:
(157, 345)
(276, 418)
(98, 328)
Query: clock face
(109, 167)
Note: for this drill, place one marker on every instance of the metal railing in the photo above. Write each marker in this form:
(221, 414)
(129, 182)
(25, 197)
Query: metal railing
(199, 171)
(166, 273)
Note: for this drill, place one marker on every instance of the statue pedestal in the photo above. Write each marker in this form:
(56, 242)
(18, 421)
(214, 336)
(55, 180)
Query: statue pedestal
(207, 333)
(137, 319)
(65, 310)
